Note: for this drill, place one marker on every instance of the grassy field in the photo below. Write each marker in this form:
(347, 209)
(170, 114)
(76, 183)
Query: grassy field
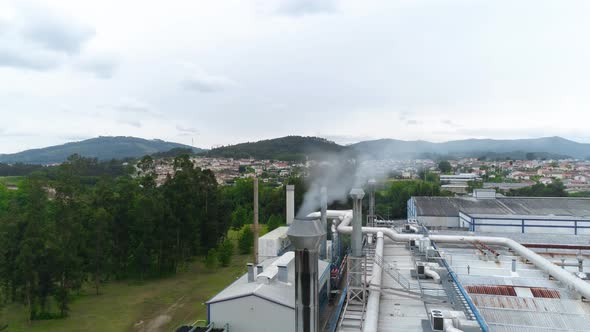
(10, 180)
(151, 306)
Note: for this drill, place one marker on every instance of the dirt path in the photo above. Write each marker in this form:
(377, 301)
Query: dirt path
(162, 318)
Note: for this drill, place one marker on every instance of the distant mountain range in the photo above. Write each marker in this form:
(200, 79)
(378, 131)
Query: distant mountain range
(102, 148)
(548, 147)
(300, 147)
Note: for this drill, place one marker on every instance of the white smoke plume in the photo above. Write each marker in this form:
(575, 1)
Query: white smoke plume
(339, 173)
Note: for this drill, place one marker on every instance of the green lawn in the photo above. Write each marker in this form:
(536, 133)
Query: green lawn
(156, 305)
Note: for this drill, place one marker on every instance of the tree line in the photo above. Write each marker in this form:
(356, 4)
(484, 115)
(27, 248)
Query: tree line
(60, 231)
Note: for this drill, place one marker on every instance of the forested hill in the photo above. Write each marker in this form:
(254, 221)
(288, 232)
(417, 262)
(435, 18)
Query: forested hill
(102, 148)
(285, 148)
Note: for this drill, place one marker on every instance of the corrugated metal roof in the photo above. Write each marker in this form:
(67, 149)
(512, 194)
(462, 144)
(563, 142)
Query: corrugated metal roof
(523, 206)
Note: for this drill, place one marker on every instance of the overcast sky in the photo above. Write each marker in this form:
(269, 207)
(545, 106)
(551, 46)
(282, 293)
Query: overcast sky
(223, 71)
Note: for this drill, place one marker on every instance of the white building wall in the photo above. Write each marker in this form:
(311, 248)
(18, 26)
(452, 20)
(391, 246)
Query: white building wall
(252, 314)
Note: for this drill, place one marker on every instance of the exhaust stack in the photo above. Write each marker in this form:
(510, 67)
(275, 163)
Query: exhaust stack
(372, 184)
(357, 195)
(255, 221)
(324, 214)
(306, 235)
(290, 204)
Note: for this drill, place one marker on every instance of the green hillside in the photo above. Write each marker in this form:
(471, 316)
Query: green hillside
(102, 148)
(284, 148)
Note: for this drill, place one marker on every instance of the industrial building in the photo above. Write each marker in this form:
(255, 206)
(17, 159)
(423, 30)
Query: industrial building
(265, 296)
(484, 212)
(425, 274)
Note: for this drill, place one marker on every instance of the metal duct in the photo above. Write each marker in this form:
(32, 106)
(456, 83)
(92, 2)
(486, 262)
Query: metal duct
(324, 219)
(372, 314)
(290, 204)
(357, 195)
(305, 235)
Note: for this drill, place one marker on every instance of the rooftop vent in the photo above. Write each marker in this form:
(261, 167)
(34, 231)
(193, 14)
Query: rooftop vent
(437, 320)
(484, 193)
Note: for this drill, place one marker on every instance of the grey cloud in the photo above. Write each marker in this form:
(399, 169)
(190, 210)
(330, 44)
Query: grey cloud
(103, 67)
(130, 122)
(132, 105)
(53, 30)
(41, 39)
(29, 60)
(449, 123)
(306, 7)
(187, 130)
(203, 82)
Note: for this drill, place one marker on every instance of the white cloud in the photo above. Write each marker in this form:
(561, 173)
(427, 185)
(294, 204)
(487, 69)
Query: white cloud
(101, 65)
(201, 81)
(306, 7)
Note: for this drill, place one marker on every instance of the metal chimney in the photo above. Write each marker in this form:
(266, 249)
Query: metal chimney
(255, 223)
(306, 235)
(357, 195)
(324, 219)
(250, 272)
(283, 273)
(290, 203)
(372, 184)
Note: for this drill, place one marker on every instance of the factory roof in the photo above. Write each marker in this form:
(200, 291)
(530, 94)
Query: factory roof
(524, 300)
(275, 291)
(520, 206)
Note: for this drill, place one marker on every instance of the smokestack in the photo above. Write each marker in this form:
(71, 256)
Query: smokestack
(255, 226)
(357, 195)
(250, 272)
(372, 184)
(290, 203)
(306, 235)
(324, 219)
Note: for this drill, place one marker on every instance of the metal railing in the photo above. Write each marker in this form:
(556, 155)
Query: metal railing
(467, 299)
(393, 272)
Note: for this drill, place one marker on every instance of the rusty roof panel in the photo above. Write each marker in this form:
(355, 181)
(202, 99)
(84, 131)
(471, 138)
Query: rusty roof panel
(492, 290)
(546, 293)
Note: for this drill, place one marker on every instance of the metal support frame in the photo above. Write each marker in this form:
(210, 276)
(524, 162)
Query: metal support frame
(357, 275)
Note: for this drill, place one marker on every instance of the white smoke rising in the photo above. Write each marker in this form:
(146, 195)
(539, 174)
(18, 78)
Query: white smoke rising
(339, 174)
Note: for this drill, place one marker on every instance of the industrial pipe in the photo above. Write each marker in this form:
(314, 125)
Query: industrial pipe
(540, 262)
(432, 274)
(372, 314)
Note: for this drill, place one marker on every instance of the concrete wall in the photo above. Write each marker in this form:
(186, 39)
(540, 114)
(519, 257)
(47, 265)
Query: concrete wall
(252, 314)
